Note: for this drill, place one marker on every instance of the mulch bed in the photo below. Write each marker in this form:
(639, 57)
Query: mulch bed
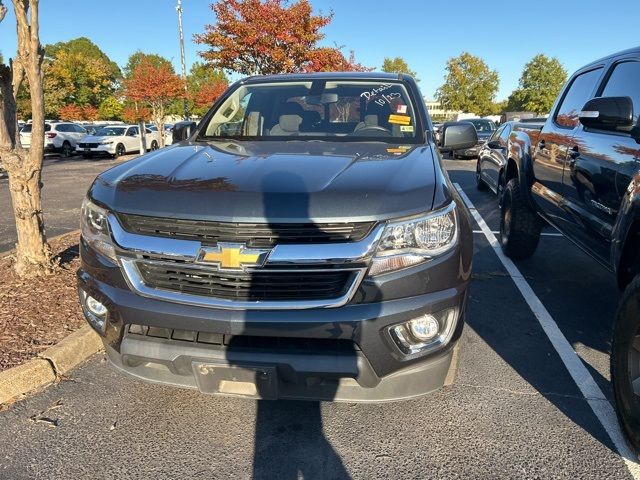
(38, 313)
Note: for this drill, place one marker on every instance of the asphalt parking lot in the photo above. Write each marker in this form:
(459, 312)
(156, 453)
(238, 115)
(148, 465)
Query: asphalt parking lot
(514, 411)
(65, 181)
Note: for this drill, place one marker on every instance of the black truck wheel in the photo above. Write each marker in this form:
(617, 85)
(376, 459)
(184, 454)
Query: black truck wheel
(519, 225)
(625, 362)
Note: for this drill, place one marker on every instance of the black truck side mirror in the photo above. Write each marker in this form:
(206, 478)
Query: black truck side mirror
(182, 130)
(458, 136)
(607, 113)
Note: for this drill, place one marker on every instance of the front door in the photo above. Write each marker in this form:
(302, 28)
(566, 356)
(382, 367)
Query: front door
(551, 152)
(600, 166)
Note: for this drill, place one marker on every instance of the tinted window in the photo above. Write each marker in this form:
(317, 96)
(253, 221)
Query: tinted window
(63, 127)
(625, 82)
(133, 131)
(504, 135)
(579, 92)
(79, 129)
(497, 133)
(482, 125)
(27, 128)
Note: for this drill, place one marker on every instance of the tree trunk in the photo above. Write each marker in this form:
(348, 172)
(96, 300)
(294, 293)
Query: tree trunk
(33, 255)
(143, 137)
(158, 117)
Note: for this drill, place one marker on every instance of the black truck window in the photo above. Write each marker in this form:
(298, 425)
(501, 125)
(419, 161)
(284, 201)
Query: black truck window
(579, 92)
(625, 82)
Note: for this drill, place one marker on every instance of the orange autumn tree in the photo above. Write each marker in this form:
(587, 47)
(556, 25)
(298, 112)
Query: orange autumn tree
(155, 87)
(208, 93)
(259, 37)
(70, 112)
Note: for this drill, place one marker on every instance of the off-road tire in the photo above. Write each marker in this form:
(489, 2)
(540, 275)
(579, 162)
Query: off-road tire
(480, 184)
(519, 225)
(624, 361)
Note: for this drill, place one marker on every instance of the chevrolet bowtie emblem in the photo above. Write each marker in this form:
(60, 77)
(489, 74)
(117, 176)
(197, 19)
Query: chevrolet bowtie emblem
(232, 256)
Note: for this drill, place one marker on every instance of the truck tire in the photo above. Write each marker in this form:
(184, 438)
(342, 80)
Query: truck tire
(519, 225)
(625, 358)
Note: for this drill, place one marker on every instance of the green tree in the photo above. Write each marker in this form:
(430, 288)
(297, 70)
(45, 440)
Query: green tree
(470, 85)
(398, 65)
(77, 72)
(201, 78)
(111, 109)
(138, 56)
(540, 83)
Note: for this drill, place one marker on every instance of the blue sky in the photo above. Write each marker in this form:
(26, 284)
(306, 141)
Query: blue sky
(426, 33)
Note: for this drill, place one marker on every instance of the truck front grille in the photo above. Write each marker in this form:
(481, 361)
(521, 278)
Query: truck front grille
(257, 235)
(261, 285)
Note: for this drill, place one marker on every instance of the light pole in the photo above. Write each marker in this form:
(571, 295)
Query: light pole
(182, 61)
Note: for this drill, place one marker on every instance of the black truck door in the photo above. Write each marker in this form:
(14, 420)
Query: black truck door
(599, 167)
(555, 139)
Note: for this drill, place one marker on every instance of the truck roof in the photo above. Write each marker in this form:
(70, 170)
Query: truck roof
(613, 55)
(325, 76)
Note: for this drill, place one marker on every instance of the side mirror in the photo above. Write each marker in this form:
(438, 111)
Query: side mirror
(494, 144)
(182, 130)
(458, 136)
(607, 113)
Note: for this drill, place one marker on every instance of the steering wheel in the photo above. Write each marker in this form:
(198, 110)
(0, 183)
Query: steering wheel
(375, 130)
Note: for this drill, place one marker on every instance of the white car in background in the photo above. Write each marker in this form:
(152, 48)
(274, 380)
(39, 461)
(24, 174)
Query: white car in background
(59, 137)
(116, 140)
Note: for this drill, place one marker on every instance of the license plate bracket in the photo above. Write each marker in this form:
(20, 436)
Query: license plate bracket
(251, 381)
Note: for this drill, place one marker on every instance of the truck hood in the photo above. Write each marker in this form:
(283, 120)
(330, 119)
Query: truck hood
(294, 181)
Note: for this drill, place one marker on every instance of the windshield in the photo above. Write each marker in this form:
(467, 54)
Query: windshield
(109, 132)
(483, 125)
(349, 110)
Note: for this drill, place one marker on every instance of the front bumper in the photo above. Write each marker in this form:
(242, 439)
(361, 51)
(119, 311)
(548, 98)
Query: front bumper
(99, 150)
(372, 369)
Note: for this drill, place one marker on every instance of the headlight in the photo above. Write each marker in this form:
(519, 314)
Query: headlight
(412, 241)
(107, 143)
(95, 229)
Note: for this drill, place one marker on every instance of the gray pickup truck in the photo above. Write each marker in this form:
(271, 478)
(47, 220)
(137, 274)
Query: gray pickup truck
(580, 172)
(302, 242)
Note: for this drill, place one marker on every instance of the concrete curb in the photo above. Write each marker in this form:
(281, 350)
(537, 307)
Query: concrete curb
(53, 363)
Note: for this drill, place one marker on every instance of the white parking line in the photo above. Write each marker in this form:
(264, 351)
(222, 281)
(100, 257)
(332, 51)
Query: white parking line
(585, 382)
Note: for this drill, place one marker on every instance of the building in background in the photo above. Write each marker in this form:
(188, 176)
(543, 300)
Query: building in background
(437, 112)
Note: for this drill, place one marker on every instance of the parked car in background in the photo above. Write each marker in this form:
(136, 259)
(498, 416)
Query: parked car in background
(580, 172)
(485, 129)
(60, 137)
(116, 140)
(494, 154)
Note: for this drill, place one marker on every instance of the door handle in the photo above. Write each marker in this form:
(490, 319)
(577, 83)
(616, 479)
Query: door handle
(573, 155)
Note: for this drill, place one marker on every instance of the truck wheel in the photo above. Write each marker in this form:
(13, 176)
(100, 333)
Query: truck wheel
(120, 150)
(519, 225)
(625, 362)
(480, 185)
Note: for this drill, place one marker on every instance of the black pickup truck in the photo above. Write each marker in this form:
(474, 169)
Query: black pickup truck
(580, 172)
(302, 242)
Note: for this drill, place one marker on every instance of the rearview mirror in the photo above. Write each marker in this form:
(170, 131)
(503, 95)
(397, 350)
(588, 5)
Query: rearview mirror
(458, 136)
(182, 130)
(607, 113)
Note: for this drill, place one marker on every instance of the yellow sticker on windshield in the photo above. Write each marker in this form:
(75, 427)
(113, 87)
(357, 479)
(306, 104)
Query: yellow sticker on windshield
(400, 119)
(406, 128)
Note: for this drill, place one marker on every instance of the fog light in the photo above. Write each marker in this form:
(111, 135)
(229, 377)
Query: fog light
(94, 311)
(425, 333)
(424, 328)
(95, 307)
